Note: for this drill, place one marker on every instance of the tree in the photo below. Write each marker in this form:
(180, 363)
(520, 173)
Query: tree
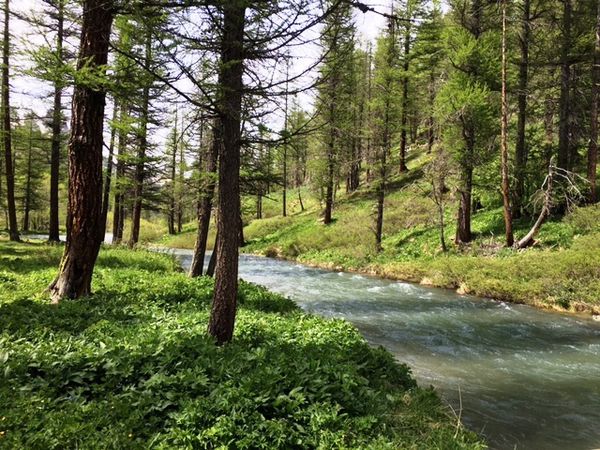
(338, 43)
(504, 138)
(30, 150)
(465, 103)
(13, 228)
(222, 317)
(85, 155)
(205, 200)
(406, 23)
(592, 159)
(385, 111)
(109, 170)
(53, 232)
(564, 124)
(522, 91)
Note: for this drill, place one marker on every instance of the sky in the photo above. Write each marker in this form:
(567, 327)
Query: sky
(28, 93)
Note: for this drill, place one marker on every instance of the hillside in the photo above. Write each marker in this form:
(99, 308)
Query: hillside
(562, 271)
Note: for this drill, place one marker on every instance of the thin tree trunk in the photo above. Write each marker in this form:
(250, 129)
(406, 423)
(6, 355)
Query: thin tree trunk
(108, 175)
(404, 115)
(430, 119)
(520, 147)
(119, 203)
(27, 206)
(53, 232)
(593, 146)
(172, 203)
(300, 200)
(285, 146)
(222, 317)
(140, 164)
(205, 203)
(327, 218)
(13, 228)
(85, 159)
(181, 178)
(565, 89)
(504, 140)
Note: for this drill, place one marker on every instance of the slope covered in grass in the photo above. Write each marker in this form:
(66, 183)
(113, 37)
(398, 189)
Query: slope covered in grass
(561, 271)
(132, 367)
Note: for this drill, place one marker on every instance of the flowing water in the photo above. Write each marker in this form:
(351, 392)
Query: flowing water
(526, 379)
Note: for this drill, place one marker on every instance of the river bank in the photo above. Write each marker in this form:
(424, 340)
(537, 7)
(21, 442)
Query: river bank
(132, 366)
(520, 375)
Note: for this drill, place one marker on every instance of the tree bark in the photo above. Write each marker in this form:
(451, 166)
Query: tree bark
(119, 203)
(85, 159)
(404, 114)
(13, 228)
(520, 146)
(593, 146)
(27, 205)
(140, 164)
(504, 140)
(173, 168)
(222, 318)
(53, 233)
(205, 203)
(210, 270)
(108, 175)
(565, 89)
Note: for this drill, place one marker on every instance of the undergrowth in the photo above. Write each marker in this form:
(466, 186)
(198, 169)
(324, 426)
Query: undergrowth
(132, 367)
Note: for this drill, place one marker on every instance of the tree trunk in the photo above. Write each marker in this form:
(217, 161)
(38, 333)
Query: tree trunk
(140, 164)
(172, 205)
(504, 140)
(181, 179)
(593, 146)
(430, 119)
(212, 262)
(13, 228)
(463, 228)
(27, 206)
(404, 115)
(53, 233)
(327, 217)
(108, 175)
(205, 203)
(520, 147)
(564, 141)
(119, 204)
(223, 311)
(85, 160)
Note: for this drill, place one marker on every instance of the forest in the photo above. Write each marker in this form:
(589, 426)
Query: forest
(273, 224)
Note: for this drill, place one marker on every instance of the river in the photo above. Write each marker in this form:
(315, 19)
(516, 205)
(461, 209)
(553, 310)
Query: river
(526, 378)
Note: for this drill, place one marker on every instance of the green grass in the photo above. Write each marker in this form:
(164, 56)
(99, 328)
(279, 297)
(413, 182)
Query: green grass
(132, 367)
(561, 272)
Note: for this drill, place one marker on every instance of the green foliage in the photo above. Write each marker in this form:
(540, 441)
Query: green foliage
(133, 367)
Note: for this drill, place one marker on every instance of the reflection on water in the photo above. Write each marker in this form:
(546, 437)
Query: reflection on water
(527, 379)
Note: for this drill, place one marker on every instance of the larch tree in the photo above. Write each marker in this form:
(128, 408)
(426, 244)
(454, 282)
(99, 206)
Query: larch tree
(504, 162)
(592, 156)
(85, 155)
(9, 171)
(388, 83)
(338, 46)
(229, 101)
(465, 102)
(57, 120)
